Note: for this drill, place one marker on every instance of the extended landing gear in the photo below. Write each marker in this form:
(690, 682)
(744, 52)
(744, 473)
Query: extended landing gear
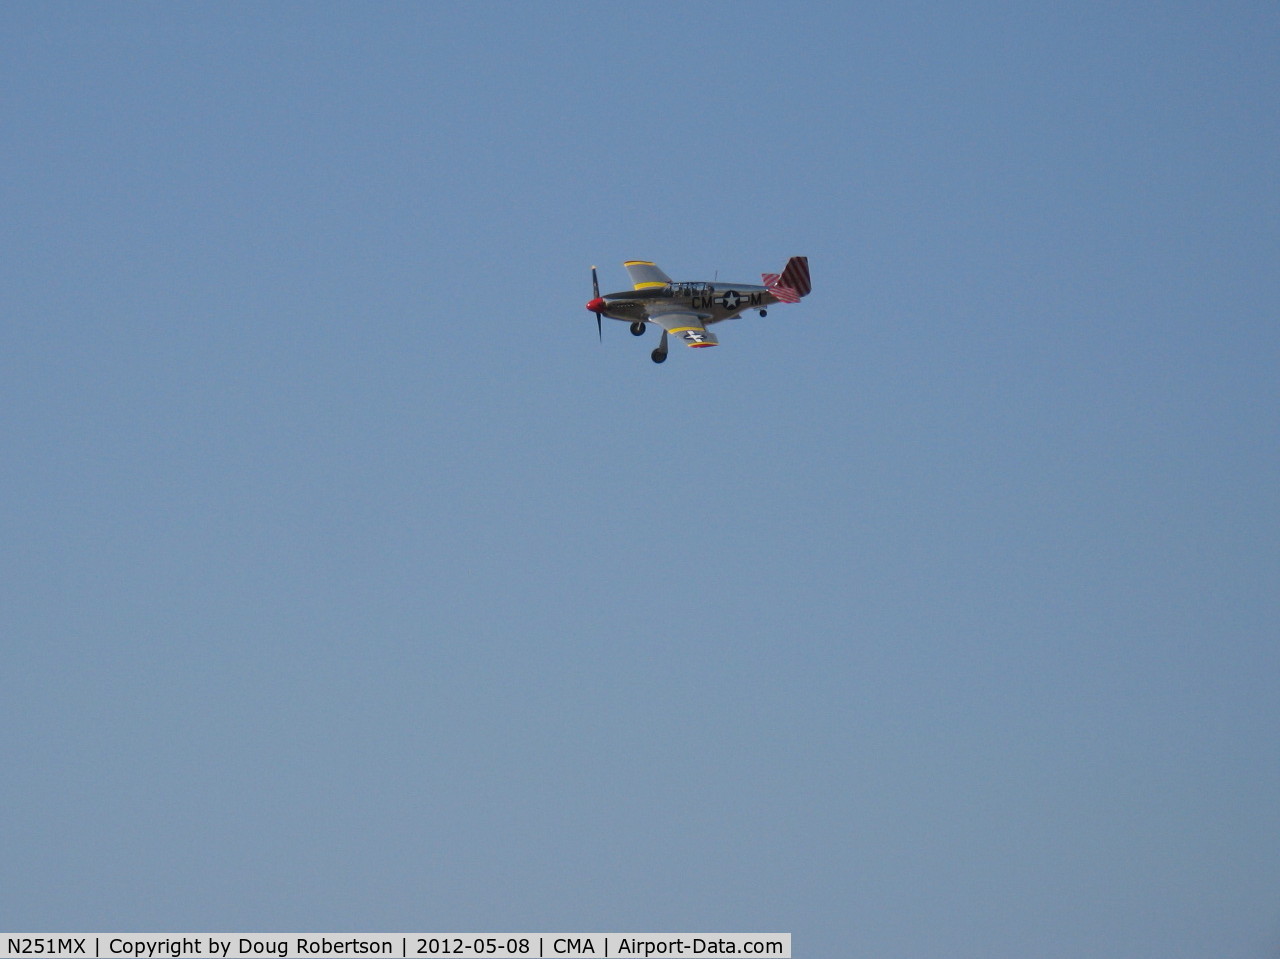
(764, 313)
(637, 328)
(660, 353)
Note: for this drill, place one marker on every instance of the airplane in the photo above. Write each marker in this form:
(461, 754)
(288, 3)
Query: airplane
(687, 309)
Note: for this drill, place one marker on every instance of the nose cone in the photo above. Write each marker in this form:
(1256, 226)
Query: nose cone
(596, 305)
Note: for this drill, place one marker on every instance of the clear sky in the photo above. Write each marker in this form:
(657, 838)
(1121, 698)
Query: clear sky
(349, 584)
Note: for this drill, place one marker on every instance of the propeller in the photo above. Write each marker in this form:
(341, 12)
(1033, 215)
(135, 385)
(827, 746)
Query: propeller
(596, 303)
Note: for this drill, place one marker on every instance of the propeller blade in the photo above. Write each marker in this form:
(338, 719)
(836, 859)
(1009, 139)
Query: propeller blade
(595, 295)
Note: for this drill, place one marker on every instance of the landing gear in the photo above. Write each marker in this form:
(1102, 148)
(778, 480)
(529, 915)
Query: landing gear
(660, 354)
(764, 313)
(637, 328)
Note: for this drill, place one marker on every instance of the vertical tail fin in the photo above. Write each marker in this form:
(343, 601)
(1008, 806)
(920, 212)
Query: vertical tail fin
(792, 283)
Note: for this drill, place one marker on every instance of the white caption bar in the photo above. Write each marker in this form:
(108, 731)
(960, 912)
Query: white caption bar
(400, 945)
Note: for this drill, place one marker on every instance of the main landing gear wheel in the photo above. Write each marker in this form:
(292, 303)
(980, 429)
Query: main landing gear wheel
(637, 328)
(764, 313)
(660, 353)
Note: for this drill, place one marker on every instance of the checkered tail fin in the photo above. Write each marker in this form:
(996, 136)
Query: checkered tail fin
(792, 283)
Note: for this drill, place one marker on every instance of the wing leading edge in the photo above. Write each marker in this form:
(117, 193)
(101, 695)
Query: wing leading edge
(646, 275)
(686, 326)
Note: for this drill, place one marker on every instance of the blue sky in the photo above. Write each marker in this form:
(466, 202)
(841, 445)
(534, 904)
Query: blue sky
(349, 584)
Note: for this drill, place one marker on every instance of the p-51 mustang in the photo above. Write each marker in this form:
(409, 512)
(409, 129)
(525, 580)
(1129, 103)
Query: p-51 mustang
(687, 309)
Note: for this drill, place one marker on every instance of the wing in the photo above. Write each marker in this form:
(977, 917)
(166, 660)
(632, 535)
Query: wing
(645, 276)
(686, 326)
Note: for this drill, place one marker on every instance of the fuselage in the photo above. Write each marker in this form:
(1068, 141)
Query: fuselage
(713, 301)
